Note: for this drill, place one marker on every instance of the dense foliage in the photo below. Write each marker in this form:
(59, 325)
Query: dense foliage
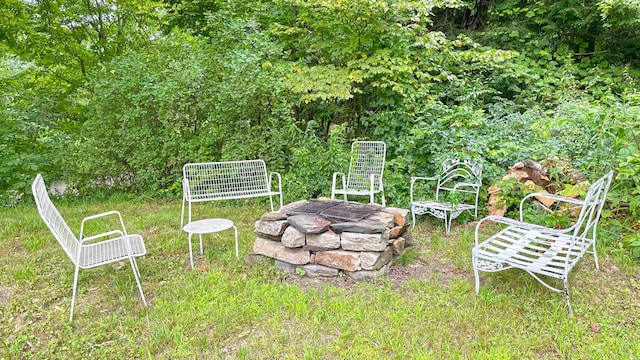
(120, 94)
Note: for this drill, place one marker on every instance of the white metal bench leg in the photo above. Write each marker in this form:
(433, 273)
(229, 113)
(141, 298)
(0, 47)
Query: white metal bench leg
(413, 216)
(447, 221)
(201, 249)
(235, 230)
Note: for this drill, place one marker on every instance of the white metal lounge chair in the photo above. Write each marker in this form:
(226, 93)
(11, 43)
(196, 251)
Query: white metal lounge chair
(539, 250)
(365, 171)
(461, 177)
(91, 251)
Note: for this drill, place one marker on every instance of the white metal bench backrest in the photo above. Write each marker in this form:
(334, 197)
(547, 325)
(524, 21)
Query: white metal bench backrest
(226, 180)
(53, 219)
(455, 171)
(587, 223)
(367, 158)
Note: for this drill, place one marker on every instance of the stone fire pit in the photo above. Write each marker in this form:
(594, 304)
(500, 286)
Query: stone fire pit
(326, 237)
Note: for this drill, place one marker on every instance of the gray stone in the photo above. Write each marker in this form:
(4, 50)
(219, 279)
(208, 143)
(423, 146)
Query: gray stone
(291, 205)
(316, 248)
(326, 240)
(401, 216)
(396, 231)
(364, 275)
(309, 224)
(410, 240)
(366, 226)
(292, 238)
(313, 270)
(273, 228)
(339, 259)
(398, 246)
(324, 198)
(267, 236)
(275, 250)
(274, 216)
(384, 217)
(364, 242)
(374, 206)
(286, 267)
(370, 260)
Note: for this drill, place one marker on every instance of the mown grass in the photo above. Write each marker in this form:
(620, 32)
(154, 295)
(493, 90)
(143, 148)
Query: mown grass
(426, 309)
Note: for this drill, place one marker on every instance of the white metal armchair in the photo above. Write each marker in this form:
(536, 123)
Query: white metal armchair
(91, 251)
(365, 171)
(539, 250)
(457, 178)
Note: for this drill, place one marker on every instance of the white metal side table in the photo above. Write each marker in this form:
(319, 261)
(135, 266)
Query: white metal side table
(208, 226)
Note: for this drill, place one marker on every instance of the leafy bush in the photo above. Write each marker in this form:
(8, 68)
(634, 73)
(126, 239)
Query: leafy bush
(27, 144)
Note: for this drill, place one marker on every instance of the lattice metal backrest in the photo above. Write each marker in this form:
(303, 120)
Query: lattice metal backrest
(456, 171)
(592, 208)
(53, 219)
(367, 157)
(226, 179)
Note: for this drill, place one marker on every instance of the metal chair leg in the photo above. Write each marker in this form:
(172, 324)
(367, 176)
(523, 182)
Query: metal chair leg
(73, 297)
(136, 274)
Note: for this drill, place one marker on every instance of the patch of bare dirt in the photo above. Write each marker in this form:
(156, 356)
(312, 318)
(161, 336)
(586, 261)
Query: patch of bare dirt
(6, 294)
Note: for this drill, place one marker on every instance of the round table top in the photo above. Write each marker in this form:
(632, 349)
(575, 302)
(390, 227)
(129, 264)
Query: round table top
(207, 226)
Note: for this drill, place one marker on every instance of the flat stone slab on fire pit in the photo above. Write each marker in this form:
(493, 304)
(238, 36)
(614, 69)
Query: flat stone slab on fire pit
(309, 224)
(366, 226)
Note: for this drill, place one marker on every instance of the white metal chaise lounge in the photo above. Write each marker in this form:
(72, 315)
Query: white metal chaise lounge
(539, 250)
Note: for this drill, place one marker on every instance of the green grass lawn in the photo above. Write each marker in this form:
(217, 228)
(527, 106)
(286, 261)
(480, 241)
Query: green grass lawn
(426, 308)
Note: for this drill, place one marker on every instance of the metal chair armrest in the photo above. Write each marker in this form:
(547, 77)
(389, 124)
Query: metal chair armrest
(416, 178)
(277, 174)
(93, 217)
(335, 175)
(98, 236)
(550, 196)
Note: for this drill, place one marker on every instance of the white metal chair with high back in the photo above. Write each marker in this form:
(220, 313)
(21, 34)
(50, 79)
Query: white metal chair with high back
(540, 250)
(457, 191)
(90, 251)
(365, 171)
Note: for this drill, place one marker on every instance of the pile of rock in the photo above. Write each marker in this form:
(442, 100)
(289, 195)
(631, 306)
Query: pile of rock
(533, 176)
(315, 245)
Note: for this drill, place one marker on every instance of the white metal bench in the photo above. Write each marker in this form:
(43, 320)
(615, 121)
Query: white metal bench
(91, 251)
(542, 251)
(225, 181)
